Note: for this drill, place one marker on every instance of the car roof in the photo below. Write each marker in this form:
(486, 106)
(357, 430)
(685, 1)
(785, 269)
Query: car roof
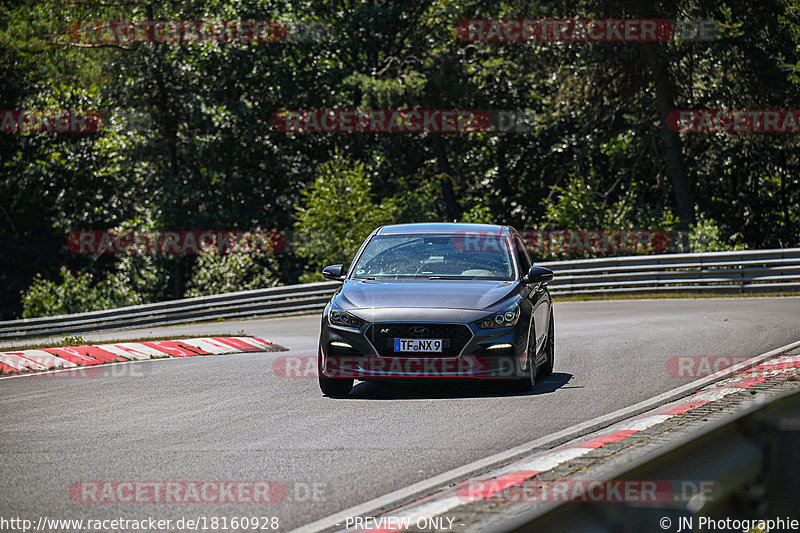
(442, 227)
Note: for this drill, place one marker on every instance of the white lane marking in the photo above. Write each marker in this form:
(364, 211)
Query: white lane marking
(640, 424)
(210, 345)
(788, 359)
(20, 363)
(253, 342)
(131, 351)
(46, 359)
(713, 395)
(124, 351)
(139, 347)
(547, 460)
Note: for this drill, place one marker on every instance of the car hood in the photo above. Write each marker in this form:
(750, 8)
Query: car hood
(421, 294)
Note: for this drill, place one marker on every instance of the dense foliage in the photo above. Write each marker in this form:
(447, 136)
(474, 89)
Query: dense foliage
(189, 143)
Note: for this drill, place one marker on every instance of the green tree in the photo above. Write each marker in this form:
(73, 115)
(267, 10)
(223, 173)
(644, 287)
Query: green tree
(338, 212)
(221, 273)
(75, 293)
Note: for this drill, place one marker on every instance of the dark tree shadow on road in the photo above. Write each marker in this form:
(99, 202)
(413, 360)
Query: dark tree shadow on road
(390, 390)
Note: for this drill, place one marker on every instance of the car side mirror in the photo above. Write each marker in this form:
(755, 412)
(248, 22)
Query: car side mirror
(333, 272)
(538, 275)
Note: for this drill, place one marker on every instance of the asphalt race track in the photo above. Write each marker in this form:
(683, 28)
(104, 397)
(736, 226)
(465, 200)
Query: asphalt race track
(231, 418)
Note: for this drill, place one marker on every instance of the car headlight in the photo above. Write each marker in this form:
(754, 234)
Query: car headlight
(503, 319)
(339, 317)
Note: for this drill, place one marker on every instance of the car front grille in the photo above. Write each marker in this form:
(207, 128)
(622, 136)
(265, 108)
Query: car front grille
(454, 337)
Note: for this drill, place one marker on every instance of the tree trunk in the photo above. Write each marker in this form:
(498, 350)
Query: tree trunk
(676, 168)
(173, 200)
(452, 210)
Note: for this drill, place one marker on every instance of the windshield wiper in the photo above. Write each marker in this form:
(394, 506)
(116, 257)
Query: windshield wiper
(447, 277)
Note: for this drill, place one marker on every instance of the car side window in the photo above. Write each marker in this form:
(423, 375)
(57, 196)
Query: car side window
(522, 255)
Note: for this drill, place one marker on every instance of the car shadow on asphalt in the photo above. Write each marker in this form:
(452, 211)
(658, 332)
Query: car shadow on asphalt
(443, 390)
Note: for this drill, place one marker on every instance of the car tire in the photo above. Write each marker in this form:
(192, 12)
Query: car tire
(332, 387)
(550, 350)
(527, 383)
(335, 388)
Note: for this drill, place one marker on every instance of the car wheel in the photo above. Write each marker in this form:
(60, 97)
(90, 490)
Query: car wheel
(550, 350)
(332, 387)
(335, 388)
(527, 383)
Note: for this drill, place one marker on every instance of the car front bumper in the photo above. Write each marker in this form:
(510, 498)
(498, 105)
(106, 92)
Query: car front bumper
(366, 354)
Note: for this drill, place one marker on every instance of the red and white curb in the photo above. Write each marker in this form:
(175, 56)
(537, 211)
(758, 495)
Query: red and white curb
(13, 364)
(515, 473)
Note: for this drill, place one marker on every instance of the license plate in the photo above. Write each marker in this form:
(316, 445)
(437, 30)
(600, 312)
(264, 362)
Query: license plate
(418, 345)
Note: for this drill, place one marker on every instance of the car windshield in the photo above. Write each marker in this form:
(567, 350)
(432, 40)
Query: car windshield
(436, 256)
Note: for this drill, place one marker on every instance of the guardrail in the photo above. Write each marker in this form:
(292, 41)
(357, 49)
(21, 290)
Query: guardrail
(715, 272)
(749, 462)
(712, 272)
(275, 301)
